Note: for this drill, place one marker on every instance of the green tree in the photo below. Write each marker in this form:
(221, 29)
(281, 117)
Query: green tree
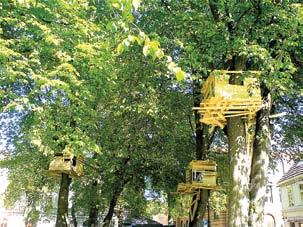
(50, 67)
(235, 35)
(73, 95)
(95, 77)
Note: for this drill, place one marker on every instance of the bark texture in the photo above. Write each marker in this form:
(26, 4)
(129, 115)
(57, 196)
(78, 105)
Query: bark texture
(239, 173)
(260, 164)
(62, 212)
(240, 162)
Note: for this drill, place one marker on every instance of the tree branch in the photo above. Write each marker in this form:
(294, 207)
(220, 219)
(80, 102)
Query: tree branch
(214, 10)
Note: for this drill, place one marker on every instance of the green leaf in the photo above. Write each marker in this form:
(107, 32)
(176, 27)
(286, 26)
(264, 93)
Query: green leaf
(180, 75)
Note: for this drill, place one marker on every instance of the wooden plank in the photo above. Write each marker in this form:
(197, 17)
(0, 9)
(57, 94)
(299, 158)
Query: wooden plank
(234, 107)
(238, 72)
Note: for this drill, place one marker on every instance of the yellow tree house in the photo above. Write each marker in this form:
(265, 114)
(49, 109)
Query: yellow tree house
(200, 174)
(222, 99)
(65, 162)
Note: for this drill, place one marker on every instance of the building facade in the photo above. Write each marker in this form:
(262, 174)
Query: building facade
(273, 206)
(291, 187)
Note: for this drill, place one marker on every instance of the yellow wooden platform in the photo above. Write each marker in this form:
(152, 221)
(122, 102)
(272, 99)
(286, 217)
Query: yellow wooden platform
(222, 99)
(185, 188)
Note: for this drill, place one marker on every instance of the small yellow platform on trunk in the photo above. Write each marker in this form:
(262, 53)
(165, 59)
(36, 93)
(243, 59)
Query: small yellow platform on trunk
(200, 174)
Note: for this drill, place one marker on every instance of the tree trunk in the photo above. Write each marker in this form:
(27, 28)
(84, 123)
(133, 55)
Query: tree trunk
(202, 144)
(122, 179)
(92, 220)
(198, 125)
(239, 173)
(74, 218)
(240, 162)
(93, 217)
(113, 202)
(201, 209)
(62, 212)
(260, 164)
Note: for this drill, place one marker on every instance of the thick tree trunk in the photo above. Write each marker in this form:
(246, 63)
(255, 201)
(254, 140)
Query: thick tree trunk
(62, 212)
(260, 164)
(240, 162)
(239, 159)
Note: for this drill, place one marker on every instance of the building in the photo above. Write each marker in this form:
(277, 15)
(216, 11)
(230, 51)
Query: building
(291, 187)
(273, 206)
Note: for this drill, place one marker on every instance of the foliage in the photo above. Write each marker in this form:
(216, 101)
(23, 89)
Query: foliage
(60, 71)
(100, 78)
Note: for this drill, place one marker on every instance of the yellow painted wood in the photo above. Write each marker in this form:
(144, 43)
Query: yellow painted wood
(200, 174)
(222, 99)
(202, 165)
(65, 162)
(194, 204)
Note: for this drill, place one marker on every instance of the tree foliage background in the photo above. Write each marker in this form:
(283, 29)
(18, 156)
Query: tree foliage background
(103, 79)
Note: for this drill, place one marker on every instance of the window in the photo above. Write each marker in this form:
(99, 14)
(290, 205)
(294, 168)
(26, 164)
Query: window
(74, 161)
(290, 196)
(197, 176)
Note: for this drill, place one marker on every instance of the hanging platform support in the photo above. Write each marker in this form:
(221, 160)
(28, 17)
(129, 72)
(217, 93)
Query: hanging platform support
(194, 204)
